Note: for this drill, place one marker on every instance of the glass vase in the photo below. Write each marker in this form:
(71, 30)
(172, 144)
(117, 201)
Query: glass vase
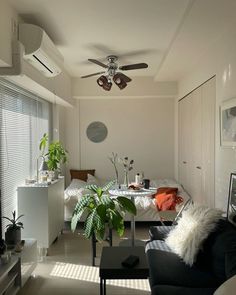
(126, 180)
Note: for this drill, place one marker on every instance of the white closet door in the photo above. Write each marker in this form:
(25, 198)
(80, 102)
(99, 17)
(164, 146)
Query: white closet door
(185, 153)
(196, 169)
(181, 142)
(208, 142)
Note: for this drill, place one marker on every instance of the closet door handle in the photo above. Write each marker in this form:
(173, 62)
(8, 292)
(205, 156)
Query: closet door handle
(198, 167)
(184, 162)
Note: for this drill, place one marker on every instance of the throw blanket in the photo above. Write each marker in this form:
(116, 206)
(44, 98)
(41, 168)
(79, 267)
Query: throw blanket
(166, 198)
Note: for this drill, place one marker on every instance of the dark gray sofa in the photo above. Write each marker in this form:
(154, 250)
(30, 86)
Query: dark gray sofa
(215, 263)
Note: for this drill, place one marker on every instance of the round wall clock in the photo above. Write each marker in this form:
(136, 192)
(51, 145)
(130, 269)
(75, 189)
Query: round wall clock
(96, 131)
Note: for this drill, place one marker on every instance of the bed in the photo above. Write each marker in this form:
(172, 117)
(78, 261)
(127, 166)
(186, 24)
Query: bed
(146, 207)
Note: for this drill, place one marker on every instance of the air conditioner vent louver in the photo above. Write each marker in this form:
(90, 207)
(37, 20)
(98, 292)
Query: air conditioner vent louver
(40, 51)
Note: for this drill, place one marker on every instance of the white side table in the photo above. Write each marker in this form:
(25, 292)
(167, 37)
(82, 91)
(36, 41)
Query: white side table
(132, 194)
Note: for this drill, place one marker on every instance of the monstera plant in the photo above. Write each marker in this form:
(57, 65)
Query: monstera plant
(102, 211)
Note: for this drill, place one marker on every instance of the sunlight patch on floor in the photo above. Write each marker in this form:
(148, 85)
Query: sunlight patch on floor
(91, 274)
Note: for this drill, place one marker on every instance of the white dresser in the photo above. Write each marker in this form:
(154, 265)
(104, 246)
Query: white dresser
(43, 209)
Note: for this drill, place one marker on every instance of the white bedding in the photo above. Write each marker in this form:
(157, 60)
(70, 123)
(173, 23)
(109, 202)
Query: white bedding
(146, 208)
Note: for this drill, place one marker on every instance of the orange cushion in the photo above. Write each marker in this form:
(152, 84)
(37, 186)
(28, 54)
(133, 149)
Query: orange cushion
(166, 198)
(165, 201)
(167, 190)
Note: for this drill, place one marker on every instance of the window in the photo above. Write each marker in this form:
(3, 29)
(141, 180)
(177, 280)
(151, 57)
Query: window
(24, 118)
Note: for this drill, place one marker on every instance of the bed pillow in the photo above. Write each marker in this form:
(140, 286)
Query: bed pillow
(166, 198)
(196, 223)
(92, 180)
(75, 188)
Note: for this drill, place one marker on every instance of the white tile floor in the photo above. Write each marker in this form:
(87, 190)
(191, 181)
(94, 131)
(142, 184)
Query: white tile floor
(67, 269)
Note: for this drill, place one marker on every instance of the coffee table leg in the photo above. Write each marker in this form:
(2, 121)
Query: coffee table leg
(101, 286)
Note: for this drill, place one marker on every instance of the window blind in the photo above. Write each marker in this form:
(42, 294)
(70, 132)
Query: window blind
(24, 118)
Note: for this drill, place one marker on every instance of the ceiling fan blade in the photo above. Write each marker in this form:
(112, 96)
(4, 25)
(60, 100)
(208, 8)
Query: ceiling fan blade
(94, 74)
(97, 62)
(133, 67)
(124, 77)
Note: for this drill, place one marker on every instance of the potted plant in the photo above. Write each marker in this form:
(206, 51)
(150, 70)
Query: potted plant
(13, 232)
(102, 211)
(56, 154)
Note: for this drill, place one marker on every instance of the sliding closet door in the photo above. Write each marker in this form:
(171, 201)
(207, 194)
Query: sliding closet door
(197, 142)
(196, 139)
(185, 144)
(208, 142)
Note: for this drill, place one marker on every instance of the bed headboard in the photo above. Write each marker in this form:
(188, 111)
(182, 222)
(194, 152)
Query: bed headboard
(81, 174)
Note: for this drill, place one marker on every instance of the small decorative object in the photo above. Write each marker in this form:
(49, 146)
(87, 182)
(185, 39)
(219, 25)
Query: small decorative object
(137, 178)
(146, 183)
(228, 123)
(128, 166)
(96, 132)
(102, 211)
(4, 258)
(114, 161)
(3, 246)
(13, 232)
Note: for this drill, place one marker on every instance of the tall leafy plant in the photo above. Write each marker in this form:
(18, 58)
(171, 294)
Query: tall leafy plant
(56, 154)
(101, 211)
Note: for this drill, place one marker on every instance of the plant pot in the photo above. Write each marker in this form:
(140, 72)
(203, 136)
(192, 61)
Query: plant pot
(13, 236)
(56, 174)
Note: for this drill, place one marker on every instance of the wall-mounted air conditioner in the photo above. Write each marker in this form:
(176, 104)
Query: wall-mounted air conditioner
(40, 51)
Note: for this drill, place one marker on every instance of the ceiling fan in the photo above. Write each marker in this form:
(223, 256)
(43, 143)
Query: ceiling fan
(112, 72)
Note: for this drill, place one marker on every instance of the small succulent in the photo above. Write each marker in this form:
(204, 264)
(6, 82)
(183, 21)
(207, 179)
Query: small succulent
(14, 223)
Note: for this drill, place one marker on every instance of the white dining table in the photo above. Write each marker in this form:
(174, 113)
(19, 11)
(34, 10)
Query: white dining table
(131, 194)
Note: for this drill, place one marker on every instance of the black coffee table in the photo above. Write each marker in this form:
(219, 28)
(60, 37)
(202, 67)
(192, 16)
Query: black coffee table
(111, 267)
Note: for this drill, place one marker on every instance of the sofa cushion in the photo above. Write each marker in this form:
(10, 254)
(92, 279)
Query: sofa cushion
(176, 290)
(157, 245)
(196, 223)
(159, 232)
(166, 268)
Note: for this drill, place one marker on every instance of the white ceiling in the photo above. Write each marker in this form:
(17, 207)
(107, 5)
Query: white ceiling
(169, 35)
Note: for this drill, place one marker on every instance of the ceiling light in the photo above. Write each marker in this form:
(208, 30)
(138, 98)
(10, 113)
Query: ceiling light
(120, 82)
(102, 80)
(107, 86)
(104, 83)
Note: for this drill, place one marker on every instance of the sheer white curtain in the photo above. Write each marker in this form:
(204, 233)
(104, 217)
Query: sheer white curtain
(24, 118)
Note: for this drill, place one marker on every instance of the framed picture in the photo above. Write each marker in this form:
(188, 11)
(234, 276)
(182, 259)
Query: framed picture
(228, 123)
(231, 209)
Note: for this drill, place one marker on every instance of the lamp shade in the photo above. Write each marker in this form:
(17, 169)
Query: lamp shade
(43, 166)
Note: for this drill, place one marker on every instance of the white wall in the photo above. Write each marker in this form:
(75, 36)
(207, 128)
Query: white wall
(219, 60)
(58, 88)
(7, 17)
(142, 129)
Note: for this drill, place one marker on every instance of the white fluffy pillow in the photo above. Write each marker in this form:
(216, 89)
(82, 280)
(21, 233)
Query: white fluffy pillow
(196, 223)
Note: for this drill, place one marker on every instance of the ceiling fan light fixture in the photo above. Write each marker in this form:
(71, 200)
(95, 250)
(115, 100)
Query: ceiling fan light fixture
(102, 80)
(120, 82)
(107, 86)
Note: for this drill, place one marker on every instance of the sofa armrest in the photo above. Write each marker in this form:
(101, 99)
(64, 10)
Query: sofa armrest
(178, 290)
(227, 288)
